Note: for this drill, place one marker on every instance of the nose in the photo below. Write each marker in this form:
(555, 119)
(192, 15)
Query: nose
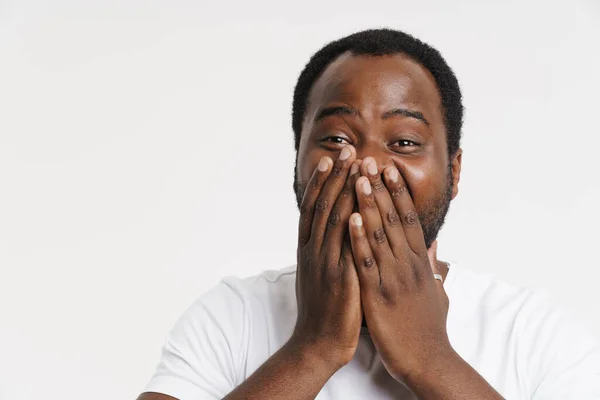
(376, 151)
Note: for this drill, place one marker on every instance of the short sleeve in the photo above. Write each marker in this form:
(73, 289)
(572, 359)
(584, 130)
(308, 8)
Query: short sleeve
(203, 351)
(562, 355)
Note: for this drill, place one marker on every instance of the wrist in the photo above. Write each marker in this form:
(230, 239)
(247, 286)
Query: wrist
(318, 356)
(433, 367)
(449, 374)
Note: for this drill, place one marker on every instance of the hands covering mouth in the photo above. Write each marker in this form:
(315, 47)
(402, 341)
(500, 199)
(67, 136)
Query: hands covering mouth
(362, 251)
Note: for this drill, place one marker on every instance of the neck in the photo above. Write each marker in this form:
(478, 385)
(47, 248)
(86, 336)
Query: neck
(442, 266)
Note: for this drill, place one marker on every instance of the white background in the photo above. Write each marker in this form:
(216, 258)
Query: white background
(146, 151)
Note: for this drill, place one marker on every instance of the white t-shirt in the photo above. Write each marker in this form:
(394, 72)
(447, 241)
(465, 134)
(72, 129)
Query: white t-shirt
(524, 346)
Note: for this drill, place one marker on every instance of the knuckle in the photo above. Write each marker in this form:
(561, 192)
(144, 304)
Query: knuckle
(334, 218)
(379, 235)
(377, 184)
(321, 205)
(411, 218)
(368, 262)
(393, 217)
(370, 202)
(398, 191)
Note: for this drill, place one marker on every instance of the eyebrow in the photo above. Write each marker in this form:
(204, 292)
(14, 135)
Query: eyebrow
(346, 110)
(338, 110)
(407, 113)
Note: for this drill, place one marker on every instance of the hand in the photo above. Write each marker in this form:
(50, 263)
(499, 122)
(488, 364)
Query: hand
(405, 307)
(327, 288)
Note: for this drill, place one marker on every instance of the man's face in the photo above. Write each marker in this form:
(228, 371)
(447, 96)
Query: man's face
(353, 102)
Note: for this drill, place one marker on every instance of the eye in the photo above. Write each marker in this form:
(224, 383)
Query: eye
(334, 139)
(406, 143)
(406, 146)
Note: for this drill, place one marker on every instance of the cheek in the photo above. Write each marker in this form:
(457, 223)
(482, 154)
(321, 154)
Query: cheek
(425, 183)
(306, 167)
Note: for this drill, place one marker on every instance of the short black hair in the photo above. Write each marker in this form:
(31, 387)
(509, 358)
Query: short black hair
(380, 42)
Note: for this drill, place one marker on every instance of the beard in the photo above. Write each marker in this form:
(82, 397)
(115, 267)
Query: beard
(432, 215)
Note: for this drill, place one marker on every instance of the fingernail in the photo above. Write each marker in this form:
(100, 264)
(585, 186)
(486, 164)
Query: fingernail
(353, 169)
(372, 168)
(393, 174)
(323, 165)
(357, 220)
(345, 153)
(366, 187)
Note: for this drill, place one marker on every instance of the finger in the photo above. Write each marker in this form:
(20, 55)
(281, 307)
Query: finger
(309, 199)
(407, 211)
(337, 223)
(374, 231)
(387, 209)
(350, 275)
(329, 193)
(364, 260)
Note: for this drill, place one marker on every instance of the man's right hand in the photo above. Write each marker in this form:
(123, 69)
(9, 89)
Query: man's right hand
(327, 289)
(327, 286)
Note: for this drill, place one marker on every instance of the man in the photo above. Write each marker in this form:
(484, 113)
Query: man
(369, 312)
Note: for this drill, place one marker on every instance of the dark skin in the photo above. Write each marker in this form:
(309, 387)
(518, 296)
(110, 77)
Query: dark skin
(366, 236)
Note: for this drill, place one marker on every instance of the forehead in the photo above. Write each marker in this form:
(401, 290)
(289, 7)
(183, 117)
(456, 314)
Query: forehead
(376, 83)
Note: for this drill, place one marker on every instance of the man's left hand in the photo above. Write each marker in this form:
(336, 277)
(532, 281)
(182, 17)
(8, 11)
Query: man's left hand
(404, 305)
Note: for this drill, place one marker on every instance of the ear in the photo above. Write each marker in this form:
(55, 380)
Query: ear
(456, 166)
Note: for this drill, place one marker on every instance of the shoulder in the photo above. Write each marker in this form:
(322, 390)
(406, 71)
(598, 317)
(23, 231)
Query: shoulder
(234, 296)
(549, 344)
(529, 306)
(242, 300)
(217, 329)
(475, 292)
(268, 281)
(484, 292)
(261, 291)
